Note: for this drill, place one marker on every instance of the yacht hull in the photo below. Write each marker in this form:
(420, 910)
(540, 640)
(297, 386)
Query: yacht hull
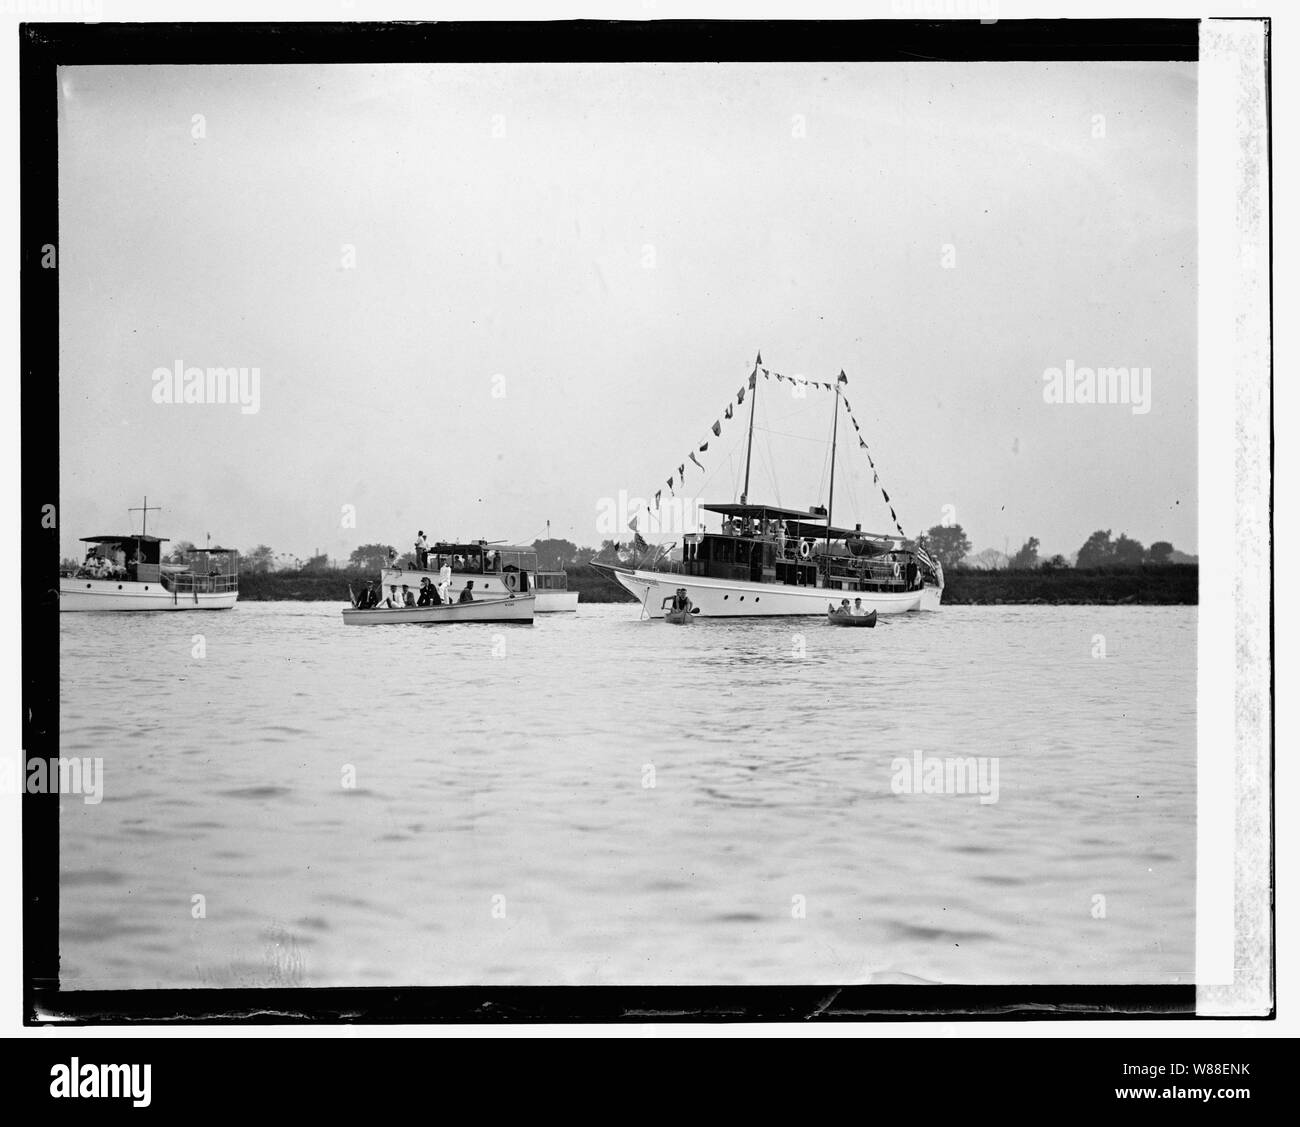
(718, 598)
(556, 602)
(115, 594)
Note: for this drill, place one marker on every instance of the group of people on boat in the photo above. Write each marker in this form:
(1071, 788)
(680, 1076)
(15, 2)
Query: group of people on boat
(857, 610)
(115, 566)
(488, 561)
(373, 598)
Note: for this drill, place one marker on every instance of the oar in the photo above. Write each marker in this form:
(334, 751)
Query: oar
(352, 596)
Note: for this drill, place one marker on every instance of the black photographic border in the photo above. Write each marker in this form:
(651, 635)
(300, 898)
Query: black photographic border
(45, 47)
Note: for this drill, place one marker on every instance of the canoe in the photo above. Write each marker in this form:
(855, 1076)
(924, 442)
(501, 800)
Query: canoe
(516, 608)
(678, 617)
(837, 618)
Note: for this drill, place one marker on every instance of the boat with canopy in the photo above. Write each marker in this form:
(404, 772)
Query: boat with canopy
(769, 560)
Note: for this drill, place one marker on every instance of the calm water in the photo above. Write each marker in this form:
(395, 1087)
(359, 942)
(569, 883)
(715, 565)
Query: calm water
(499, 828)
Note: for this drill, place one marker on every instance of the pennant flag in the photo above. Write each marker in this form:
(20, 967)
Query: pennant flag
(862, 442)
(753, 379)
(847, 407)
(703, 447)
(694, 459)
(759, 362)
(717, 427)
(681, 473)
(728, 412)
(875, 478)
(856, 427)
(658, 493)
(843, 377)
(766, 374)
(886, 496)
(894, 515)
(740, 397)
(632, 524)
(670, 486)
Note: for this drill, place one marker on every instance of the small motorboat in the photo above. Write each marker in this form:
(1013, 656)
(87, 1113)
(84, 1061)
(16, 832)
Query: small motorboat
(678, 617)
(516, 608)
(844, 618)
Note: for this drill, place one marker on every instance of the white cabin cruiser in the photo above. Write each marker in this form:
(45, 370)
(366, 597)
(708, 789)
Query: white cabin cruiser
(495, 570)
(125, 572)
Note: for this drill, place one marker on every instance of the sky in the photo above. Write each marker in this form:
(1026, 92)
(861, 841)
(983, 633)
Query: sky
(484, 297)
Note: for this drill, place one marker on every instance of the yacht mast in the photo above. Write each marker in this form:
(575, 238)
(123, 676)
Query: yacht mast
(753, 387)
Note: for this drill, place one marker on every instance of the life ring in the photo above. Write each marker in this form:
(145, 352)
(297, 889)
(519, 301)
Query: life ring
(512, 580)
(805, 549)
(896, 570)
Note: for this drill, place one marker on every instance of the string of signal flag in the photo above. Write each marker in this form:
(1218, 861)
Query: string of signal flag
(678, 480)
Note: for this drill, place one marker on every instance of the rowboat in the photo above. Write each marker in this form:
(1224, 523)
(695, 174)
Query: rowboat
(678, 617)
(840, 618)
(516, 608)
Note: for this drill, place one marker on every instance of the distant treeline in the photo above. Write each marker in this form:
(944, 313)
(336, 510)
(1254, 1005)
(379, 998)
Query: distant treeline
(1146, 584)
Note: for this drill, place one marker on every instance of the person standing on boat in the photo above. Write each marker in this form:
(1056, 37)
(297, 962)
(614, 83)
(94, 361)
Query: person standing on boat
(444, 582)
(421, 551)
(393, 561)
(467, 595)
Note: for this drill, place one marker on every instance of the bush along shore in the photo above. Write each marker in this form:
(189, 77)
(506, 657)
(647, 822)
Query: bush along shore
(1172, 584)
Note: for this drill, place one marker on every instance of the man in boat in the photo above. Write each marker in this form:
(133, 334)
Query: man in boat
(421, 551)
(428, 594)
(393, 560)
(444, 582)
(682, 601)
(467, 595)
(394, 600)
(369, 598)
(858, 609)
(408, 599)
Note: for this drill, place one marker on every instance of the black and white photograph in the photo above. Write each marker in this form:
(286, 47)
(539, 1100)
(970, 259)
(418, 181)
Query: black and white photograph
(606, 506)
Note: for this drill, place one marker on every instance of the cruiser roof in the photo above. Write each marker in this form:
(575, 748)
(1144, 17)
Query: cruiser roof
(127, 536)
(809, 523)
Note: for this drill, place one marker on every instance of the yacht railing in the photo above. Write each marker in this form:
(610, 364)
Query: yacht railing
(184, 583)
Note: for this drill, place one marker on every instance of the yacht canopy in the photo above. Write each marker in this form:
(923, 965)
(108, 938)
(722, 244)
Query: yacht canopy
(799, 522)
